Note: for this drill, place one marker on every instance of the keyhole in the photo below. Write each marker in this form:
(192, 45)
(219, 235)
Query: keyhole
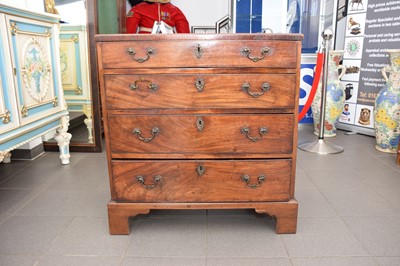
(198, 51)
(199, 83)
(201, 170)
(200, 124)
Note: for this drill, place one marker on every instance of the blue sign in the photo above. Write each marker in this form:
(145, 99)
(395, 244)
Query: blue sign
(306, 80)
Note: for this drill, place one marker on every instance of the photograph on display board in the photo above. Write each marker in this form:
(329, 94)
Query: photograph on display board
(352, 70)
(355, 26)
(364, 116)
(351, 90)
(353, 48)
(357, 6)
(348, 113)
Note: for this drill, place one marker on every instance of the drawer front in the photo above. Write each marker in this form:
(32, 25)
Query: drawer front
(209, 134)
(200, 91)
(193, 53)
(201, 181)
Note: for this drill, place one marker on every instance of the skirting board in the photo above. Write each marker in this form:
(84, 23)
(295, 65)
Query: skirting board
(356, 130)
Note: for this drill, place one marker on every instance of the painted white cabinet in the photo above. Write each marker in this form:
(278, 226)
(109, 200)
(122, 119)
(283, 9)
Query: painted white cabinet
(75, 72)
(31, 98)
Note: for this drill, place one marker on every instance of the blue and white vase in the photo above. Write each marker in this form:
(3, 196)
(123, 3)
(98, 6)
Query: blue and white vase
(387, 107)
(335, 96)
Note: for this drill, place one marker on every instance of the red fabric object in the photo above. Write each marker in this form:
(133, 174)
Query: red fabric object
(317, 76)
(145, 14)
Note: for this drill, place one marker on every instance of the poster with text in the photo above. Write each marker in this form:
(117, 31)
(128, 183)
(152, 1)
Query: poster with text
(372, 27)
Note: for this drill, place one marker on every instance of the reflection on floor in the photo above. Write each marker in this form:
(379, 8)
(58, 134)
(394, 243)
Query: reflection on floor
(349, 214)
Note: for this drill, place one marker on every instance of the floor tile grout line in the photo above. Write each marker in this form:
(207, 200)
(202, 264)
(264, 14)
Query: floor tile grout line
(347, 226)
(43, 255)
(13, 174)
(39, 191)
(341, 218)
(130, 223)
(206, 235)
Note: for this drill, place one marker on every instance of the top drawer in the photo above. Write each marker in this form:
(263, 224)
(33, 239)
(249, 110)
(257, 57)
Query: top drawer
(199, 53)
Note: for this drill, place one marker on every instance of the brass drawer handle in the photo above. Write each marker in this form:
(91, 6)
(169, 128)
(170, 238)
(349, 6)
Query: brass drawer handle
(150, 85)
(157, 179)
(264, 51)
(154, 132)
(200, 83)
(149, 51)
(264, 88)
(263, 131)
(261, 179)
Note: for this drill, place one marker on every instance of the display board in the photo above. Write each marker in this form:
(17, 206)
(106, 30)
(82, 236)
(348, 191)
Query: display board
(372, 27)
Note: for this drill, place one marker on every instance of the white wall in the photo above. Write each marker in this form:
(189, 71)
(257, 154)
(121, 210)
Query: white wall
(274, 15)
(32, 5)
(35, 5)
(204, 12)
(73, 13)
(16, 3)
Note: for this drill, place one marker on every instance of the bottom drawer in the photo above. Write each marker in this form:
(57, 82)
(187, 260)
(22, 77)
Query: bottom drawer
(201, 181)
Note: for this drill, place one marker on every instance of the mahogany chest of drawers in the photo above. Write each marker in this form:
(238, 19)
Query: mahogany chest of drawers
(200, 121)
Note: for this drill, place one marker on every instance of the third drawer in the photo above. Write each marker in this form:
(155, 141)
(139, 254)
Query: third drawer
(189, 136)
(201, 181)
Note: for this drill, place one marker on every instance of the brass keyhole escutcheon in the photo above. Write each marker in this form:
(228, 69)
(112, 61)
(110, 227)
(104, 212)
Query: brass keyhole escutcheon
(200, 83)
(198, 51)
(200, 170)
(200, 124)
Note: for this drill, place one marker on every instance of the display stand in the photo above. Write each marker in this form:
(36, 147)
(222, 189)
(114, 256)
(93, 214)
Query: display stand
(320, 146)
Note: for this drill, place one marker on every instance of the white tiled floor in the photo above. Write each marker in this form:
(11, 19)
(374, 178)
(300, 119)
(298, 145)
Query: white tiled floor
(349, 214)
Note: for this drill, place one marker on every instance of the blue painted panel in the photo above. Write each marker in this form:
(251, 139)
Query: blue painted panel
(40, 109)
(30, 134)
(243, 25)
(66, 27)
(80, 102)
(53, 66)
(256, 24)
(257, 7)
(243, 8)
(69, 93)
(4, 83)
(65, 36)
(30, 27)
(78, 64)
(75, 108)
(249, 16)
(17, 66)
